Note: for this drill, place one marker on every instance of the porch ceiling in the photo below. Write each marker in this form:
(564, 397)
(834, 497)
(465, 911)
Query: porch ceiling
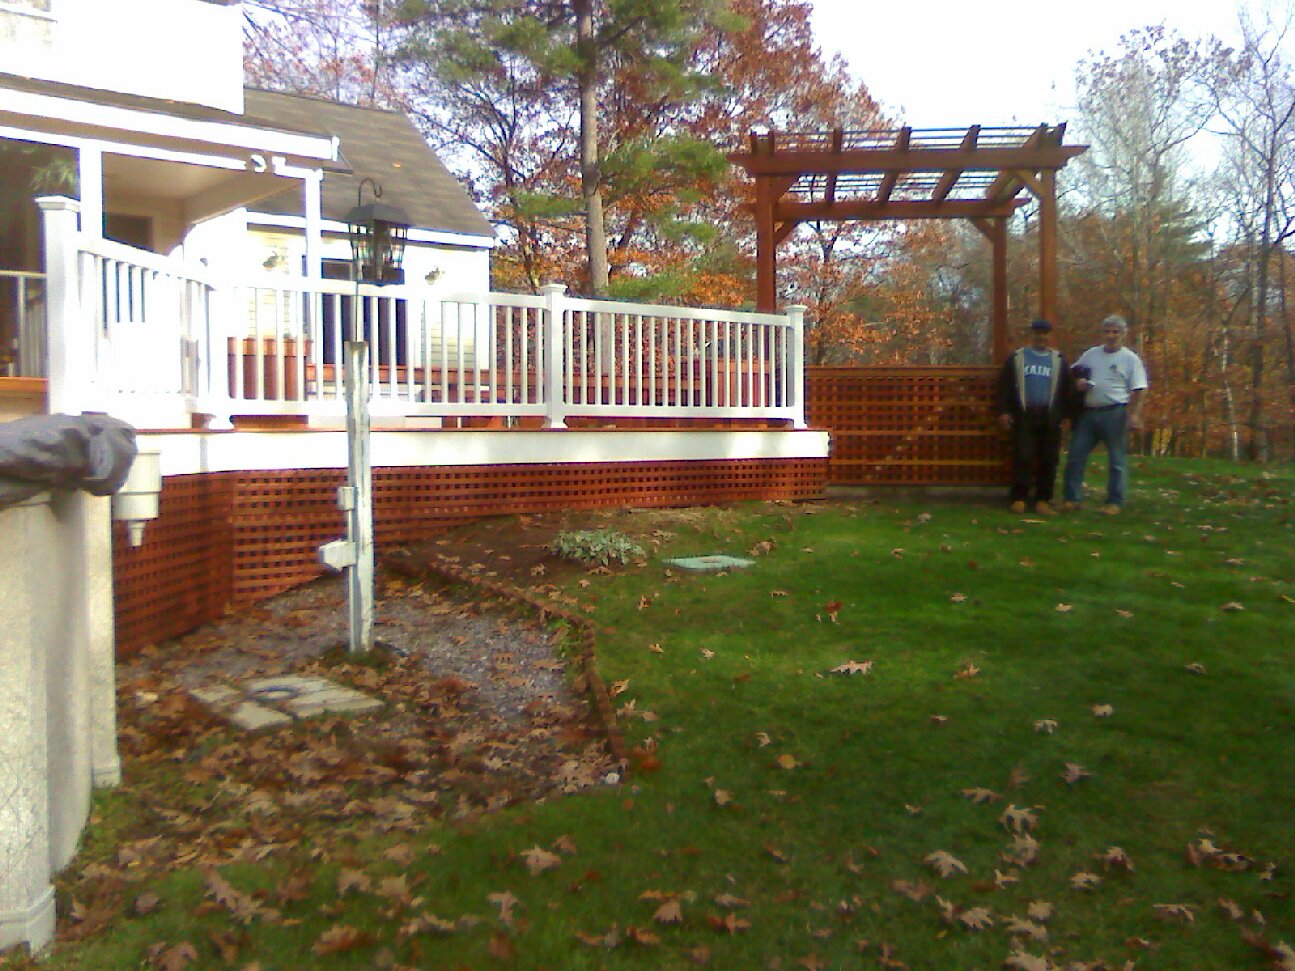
(201, 192)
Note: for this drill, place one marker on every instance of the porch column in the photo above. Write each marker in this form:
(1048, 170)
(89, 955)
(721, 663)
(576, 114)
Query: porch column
(312, 193)
(69, 344)
(90, 173)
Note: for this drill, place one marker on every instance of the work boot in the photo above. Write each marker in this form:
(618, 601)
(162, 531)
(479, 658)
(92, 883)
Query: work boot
(1018, 507)
(1110, 509)
(1068, 506)
(1044, 508)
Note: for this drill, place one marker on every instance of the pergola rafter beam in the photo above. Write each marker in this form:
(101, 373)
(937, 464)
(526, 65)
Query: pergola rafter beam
(909, 174)
(950, 178)
(895, 209)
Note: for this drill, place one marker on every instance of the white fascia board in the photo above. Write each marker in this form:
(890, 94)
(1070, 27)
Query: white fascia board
(189, 453)
(286, 221)
(111, 147)
(297, 145)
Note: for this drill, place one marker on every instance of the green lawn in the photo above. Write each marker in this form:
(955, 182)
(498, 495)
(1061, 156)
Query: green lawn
(784, 814)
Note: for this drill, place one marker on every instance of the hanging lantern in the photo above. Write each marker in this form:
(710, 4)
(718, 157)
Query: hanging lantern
(378, 235)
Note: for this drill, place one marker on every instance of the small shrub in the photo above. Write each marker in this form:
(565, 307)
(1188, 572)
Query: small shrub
(595, 546)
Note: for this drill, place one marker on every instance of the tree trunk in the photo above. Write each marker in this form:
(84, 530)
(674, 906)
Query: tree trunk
(590, 181)
(1258, 447)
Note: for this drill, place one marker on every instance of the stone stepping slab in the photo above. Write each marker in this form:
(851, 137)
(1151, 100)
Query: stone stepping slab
(274, 702)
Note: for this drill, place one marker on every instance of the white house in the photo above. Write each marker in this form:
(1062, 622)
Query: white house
(178, 270)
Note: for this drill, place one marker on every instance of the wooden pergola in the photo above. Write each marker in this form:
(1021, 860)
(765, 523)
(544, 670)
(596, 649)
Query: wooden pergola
(906, 173)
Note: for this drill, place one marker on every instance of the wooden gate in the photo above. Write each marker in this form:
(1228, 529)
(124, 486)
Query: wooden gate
(913, 426)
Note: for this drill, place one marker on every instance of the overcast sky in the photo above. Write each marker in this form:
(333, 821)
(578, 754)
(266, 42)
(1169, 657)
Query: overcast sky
(952, 63)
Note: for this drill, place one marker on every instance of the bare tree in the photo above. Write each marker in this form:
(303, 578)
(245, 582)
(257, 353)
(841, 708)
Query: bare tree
(1257, 105)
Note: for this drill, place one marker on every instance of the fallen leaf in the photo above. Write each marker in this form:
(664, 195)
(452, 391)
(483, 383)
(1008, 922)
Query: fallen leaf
(722, 797)
(538, 860)
(1064, 608)
(501, 947)
(707, 654)
(939, 719)
(1177, 913)
(966, 672)
(1083, 880)
(339, 938)
(1196, 667)
(786, 761)
(1039, 910)
(699, 955)
(1103, 711)
(777, 593)
(1045, 726)
(670, 912)
(729, 902)
(912, 810)
(1232, 909)
(980, 796)
(175, 958)
(506, 902)
(763, 739)
(976, 918)
(656, 649)
(1114, 858)
(1018, 820)
(944, 863)
(1074, 772)
(959, 598)
(853, 667)
(146, 903)
(1233, 607)
(1016, 927)
(1004, 880)
(1022, 961)
(1022, 851)
(609, 940)
(916, 892)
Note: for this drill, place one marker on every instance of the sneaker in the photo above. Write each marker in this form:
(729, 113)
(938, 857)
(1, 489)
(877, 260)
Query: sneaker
(1018, 506)
(1110, 509)
(1044, 508)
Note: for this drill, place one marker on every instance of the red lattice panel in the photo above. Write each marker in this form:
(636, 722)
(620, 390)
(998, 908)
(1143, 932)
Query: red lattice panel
(182, 574)
(909, 426)
(259, 532)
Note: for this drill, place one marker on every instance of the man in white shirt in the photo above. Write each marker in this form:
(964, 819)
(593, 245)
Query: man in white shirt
(1113, 380)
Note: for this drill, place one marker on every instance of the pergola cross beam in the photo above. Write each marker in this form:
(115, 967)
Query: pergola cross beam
(974, 173)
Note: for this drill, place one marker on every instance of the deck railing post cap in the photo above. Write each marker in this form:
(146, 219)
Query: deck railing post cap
(553, 288)
(795, 308)
(58, 204)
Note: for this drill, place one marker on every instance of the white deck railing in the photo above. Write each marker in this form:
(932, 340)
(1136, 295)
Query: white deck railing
(156, 343)
(22, 324)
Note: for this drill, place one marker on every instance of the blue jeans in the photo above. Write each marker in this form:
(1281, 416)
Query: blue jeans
(1112, 428)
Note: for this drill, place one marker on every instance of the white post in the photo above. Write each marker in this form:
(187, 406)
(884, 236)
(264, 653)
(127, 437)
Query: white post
(554, 355)
(70, 343)
(359, 527)
(90, 179)
(796, 346)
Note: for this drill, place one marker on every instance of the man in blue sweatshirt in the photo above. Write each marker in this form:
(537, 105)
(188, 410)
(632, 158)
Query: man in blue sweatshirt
(1034, 387)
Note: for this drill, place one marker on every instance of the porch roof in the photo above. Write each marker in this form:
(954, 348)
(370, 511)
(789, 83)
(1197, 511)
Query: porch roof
(379, 144)
(54, 107)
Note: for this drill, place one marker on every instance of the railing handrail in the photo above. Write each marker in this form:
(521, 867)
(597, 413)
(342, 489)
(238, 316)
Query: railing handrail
(22, 274)
(155, 262)
(595, 305)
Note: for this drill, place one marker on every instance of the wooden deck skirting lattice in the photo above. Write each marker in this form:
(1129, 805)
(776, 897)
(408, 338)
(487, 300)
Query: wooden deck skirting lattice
(909, 426)
(229, 539)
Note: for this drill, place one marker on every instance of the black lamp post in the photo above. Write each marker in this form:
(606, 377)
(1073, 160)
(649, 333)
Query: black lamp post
(378, 234)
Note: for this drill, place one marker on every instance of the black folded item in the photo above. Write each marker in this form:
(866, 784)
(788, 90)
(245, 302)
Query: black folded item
(1081, 371)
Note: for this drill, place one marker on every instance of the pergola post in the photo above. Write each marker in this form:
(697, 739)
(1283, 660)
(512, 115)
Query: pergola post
(1047, 194)
(766, 249)
(998, 246)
